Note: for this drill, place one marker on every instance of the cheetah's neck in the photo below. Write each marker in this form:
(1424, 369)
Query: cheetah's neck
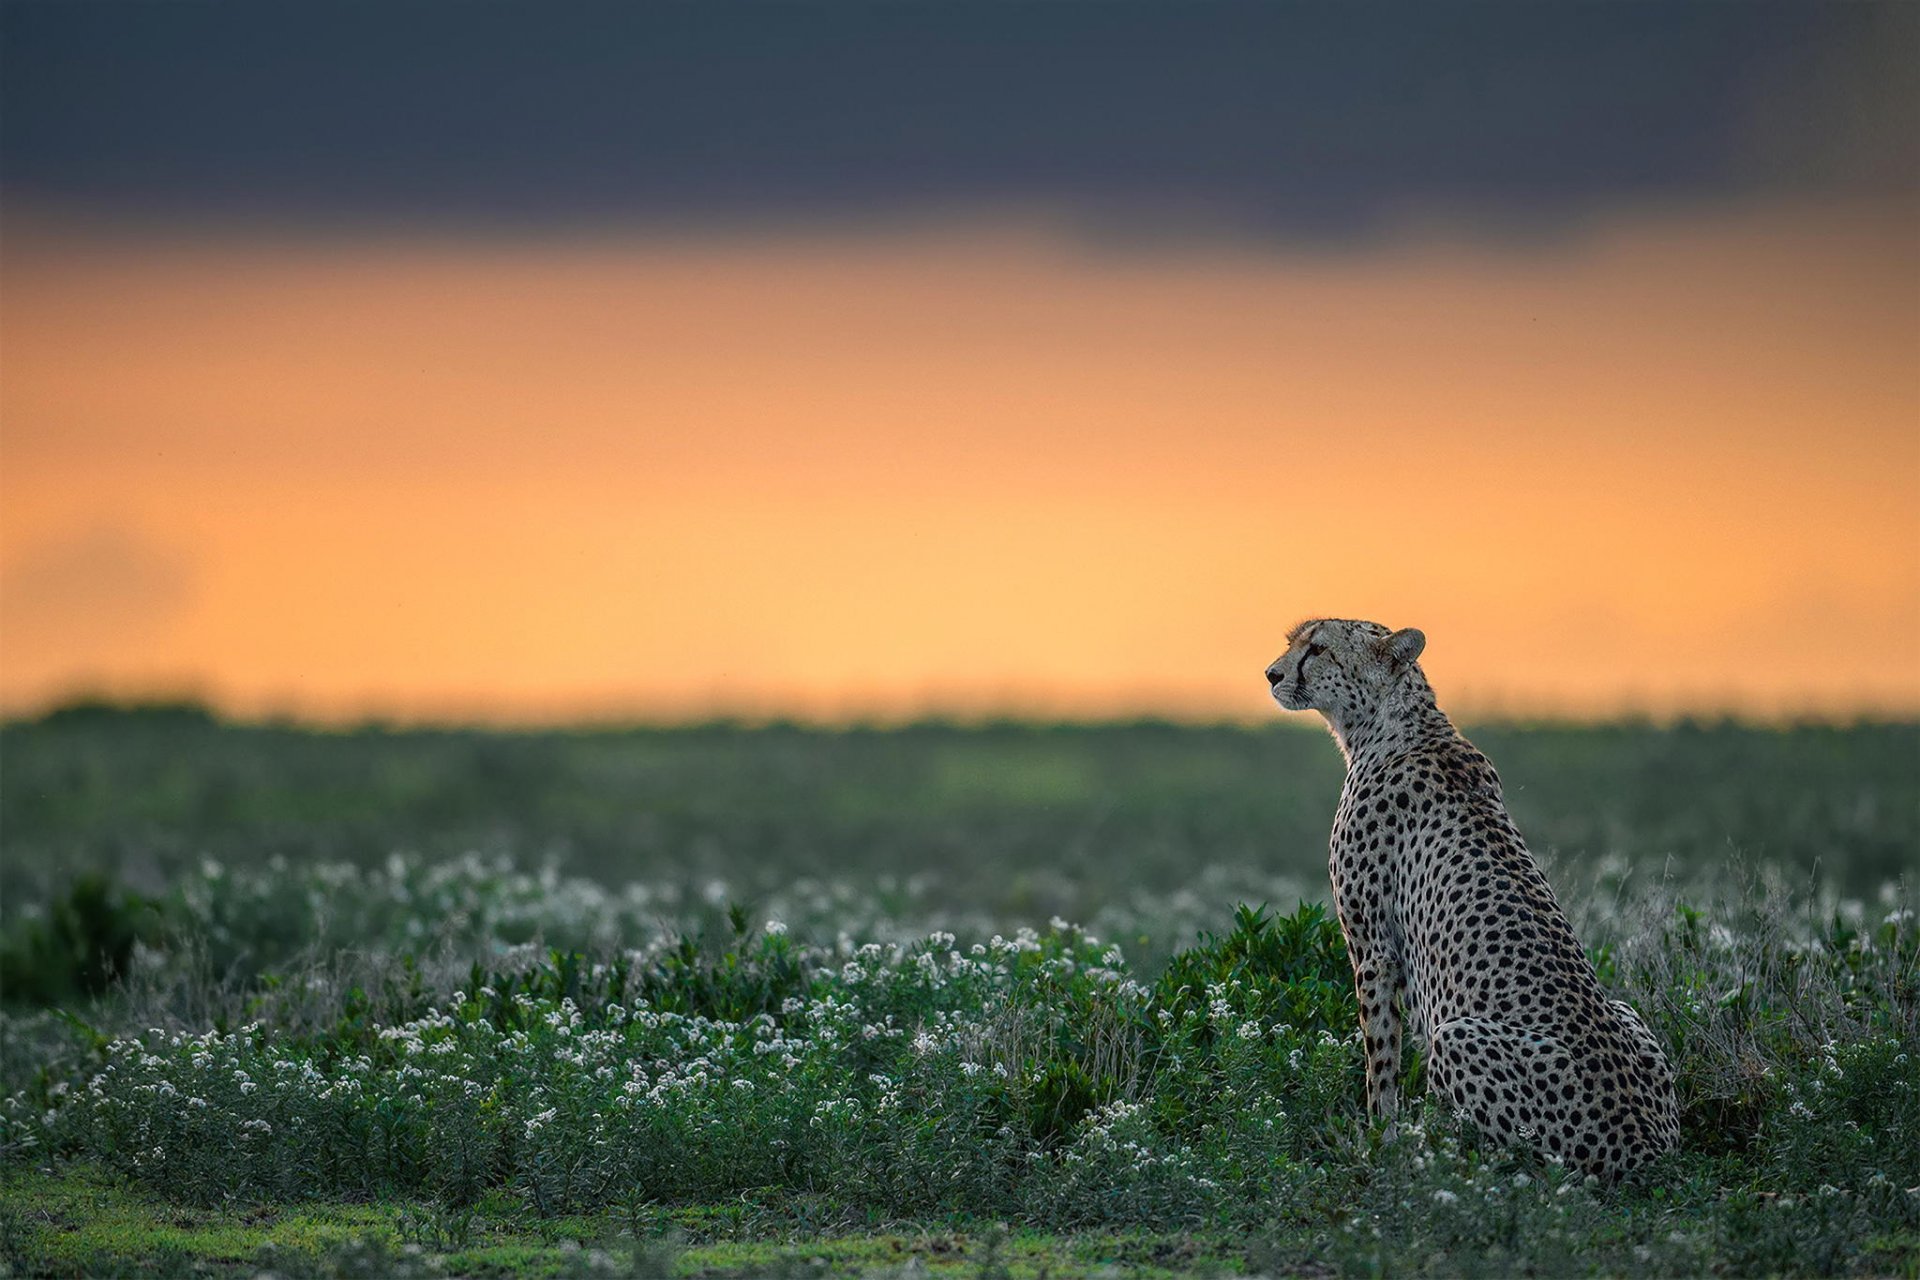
(1408, 717)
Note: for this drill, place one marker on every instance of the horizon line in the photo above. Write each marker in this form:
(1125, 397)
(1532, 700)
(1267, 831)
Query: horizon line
(98, 708)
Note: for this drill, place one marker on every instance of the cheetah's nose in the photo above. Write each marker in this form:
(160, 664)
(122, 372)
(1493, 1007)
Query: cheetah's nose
(1273, 675)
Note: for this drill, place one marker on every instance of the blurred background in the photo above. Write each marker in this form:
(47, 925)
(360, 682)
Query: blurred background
(461, 462)
(518, 364)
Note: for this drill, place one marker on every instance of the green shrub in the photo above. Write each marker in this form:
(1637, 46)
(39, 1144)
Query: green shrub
(80, 948)
(1292, 969)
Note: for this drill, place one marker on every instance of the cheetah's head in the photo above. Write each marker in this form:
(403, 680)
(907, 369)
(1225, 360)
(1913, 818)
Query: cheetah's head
(1342, 668)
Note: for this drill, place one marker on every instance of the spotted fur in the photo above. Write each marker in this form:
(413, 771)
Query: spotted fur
(1446, 912)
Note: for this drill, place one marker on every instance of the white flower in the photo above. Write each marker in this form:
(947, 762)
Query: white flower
(776, 929)
(1445, 1197)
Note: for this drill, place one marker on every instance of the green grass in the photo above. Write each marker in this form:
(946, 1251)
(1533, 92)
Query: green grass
(83, 1223)
(790, 1002)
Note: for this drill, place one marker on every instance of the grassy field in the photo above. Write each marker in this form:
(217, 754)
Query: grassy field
(729, 1001)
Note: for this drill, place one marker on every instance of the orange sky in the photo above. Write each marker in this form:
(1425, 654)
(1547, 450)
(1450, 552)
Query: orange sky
(1673, 463)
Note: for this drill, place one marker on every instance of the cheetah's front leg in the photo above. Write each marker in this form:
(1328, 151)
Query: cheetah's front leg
(1376, 980)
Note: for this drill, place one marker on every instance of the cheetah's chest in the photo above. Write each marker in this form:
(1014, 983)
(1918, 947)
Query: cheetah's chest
(1433, 869)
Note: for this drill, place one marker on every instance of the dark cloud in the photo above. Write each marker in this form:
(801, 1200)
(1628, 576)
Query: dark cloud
(1305, 121)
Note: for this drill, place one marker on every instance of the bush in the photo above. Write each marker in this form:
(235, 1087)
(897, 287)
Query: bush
(1030, 1079)
(80, 948)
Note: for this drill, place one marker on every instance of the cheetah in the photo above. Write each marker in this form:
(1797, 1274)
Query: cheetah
(1445, 910)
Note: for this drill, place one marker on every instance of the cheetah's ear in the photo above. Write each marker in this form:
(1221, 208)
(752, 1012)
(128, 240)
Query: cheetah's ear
(1402, 647)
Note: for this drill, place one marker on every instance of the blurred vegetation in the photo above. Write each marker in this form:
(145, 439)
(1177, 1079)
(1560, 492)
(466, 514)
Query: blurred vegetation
(79, 948)
(1018, 819)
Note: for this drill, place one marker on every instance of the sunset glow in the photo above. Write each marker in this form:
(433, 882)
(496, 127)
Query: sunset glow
(1669, 463)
